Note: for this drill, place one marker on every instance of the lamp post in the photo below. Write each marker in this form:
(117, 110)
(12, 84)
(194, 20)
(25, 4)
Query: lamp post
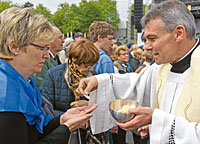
(129, 21)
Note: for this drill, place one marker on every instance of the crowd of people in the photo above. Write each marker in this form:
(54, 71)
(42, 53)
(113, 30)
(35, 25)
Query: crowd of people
(52, 88)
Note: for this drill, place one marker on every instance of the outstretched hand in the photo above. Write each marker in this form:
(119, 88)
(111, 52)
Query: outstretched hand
(87, 85)
(77, 117)
(143, 117)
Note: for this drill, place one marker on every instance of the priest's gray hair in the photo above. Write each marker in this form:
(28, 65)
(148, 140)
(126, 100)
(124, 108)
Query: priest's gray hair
(172, 13)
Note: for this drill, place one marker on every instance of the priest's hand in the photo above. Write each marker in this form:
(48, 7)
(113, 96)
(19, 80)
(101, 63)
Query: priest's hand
(143, 117)
(77, 117)
(87, 85)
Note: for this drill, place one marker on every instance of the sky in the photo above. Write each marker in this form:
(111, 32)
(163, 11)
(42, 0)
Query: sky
(52, 5)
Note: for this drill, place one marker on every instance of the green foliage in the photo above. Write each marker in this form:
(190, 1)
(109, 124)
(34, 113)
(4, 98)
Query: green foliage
(78, 18)
(89, 12)
(109, 12)
(61, 17)
(6, 4)
(27, 5)
(40, 9)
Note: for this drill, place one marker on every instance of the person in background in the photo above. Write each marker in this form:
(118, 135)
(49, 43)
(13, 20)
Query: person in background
(123, 66)
(24, 45)
(78, 36)
(136, 60)
(62, 54)
(112, 55)
(122, 62)
(169, 90)
(61, 81)
(116, 44)
(146, 58)
(101, 34)
(55, 46)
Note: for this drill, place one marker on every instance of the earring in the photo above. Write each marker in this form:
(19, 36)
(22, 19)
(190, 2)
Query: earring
(15, 53)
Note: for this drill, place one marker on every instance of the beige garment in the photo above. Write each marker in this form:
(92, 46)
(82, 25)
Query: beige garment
(188, 104)
(118, 65)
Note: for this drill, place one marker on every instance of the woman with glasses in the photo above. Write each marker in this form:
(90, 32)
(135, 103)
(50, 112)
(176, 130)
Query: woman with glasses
(24, 41)
(60, 82)
(122, 62)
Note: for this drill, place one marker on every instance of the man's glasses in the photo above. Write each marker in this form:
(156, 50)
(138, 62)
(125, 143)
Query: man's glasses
(42, 48)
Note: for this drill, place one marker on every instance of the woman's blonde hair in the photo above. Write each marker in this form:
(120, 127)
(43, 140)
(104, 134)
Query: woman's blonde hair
(147, 56)
(83, 52)
(137, 51)
(22, 27)
(121, 47)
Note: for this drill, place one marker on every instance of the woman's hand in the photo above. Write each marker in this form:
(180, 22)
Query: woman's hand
(77, 117)
(79, 103)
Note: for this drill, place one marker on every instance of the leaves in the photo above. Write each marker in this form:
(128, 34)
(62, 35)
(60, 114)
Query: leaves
(6, 4)
(40, 9)
(76, 18)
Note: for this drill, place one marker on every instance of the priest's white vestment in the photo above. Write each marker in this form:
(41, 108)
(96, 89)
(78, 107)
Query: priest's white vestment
(143, 87)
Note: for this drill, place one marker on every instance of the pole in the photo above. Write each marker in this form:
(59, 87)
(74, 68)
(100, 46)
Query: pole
(129, 21)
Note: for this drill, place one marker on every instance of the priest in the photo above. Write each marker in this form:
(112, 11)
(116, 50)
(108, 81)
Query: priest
(169, 90)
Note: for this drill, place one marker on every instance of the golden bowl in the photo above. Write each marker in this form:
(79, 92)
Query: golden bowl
(119, 109)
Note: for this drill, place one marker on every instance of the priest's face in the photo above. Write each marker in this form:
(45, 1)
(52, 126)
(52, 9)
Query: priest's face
(161, 42)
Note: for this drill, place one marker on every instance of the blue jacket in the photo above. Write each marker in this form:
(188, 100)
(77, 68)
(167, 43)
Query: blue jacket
(56, 90)
(104, 65)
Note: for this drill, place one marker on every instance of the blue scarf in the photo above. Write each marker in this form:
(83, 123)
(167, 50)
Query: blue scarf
(127, 69)
(19, 95)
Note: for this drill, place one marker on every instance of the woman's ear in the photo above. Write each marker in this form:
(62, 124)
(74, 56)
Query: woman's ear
(180, 33)
(99, 38)
(13, 47)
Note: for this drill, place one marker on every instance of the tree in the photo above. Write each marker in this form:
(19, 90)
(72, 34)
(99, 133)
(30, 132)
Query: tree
(78, 18)
(27, 5)
(40, 9)
(109, 11)
(88, 13)
(61, 18)
(6, 4)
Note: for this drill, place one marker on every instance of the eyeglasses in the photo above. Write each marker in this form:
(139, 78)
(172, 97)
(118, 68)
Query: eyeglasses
(88, 66)
(42, 48)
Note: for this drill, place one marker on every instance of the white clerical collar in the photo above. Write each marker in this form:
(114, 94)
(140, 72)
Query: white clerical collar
(51, 54)
(190, 50)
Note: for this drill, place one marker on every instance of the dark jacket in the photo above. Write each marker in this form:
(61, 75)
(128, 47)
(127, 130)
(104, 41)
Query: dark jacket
(135, 63)
(39, 77)
(56, 90)
(14, 129)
